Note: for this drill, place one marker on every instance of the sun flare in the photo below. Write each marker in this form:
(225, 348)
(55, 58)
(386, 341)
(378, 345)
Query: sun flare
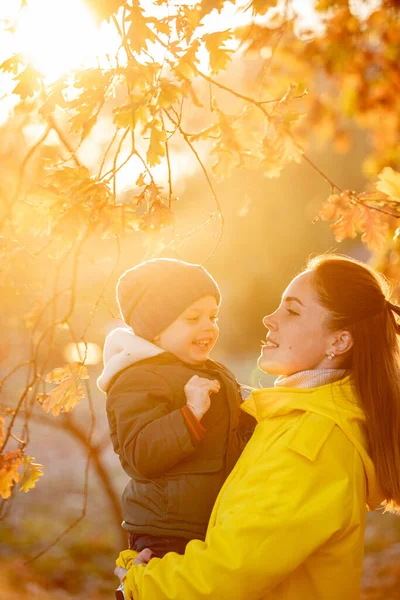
(58, 35)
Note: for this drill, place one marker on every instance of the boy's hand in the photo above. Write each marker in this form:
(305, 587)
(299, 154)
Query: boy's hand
(120, 573)
(197, 392)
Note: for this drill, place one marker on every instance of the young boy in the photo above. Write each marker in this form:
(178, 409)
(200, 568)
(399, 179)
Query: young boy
(174, 414)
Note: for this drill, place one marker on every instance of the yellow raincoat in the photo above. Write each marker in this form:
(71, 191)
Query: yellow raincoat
(289, 522)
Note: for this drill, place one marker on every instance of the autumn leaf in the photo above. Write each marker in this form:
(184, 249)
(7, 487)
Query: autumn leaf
(156, 149)
(28, 82)
(375, 228)
(219, 55)
(389, 183)
(139, 33)
(186, 67)
(207, 6)
(128, 115)
(12, 64)
(169, 94)
(348, 223)
(335, 206)
(69, 390)
(157, 217)
(31, 473)
(10, 462)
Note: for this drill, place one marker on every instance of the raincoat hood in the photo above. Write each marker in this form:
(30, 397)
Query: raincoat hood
(123, 348)
(335, 401)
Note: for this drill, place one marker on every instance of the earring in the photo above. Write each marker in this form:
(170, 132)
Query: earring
(331, 355)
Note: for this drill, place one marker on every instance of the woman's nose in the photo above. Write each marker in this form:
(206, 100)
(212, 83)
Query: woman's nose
(269, 322)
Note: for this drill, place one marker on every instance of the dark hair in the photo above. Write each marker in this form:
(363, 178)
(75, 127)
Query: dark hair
(358, 300)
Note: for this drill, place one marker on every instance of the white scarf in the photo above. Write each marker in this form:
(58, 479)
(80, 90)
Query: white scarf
(310, 379)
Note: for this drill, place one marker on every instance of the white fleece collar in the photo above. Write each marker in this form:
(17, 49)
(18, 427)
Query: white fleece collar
(123, 348)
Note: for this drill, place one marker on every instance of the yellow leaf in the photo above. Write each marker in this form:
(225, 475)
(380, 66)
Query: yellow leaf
(169, 94)
(156, 148)
(157, 217)
(32, 472)
(186, 67)
(389, 183)
(28, 82)
(61, 373)
(139, 33)
(10, 462)
(219, 54)
(69, 390)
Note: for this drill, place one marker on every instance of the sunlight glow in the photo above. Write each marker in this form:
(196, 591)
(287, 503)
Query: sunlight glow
(58, 35)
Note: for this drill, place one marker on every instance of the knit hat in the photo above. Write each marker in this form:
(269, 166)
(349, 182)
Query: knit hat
(153, 294)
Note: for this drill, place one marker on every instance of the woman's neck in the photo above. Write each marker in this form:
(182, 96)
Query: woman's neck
(311, 378)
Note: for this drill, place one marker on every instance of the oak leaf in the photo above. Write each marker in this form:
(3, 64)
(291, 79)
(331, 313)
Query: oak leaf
(375, 228)
(156, 149)
(389, 183)
(10, 462)
(31, 473)
(219, 54)
(69, 390)
(186, 67)
(157, 217)
(12, 64)
(28, 82)
(348, 223)
(335, 206)
(139, 33)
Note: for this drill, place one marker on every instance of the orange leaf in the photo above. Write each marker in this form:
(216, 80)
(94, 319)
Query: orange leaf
(346, 226)
(10, 462)
(375, 227)
(69, 390)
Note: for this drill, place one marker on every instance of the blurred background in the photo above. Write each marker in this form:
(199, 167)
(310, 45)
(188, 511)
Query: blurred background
(269, 233)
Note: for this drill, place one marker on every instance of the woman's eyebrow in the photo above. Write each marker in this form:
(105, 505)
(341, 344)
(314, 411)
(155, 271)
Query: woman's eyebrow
(293, 299)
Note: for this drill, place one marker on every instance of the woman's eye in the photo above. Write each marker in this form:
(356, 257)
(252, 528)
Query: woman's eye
(292, 312)
(191, 319)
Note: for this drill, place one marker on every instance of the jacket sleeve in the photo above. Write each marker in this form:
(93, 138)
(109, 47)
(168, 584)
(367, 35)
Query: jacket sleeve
(150, 438)
(281, 510)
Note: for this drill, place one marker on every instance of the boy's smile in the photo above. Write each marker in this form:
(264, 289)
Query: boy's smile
(194, 333)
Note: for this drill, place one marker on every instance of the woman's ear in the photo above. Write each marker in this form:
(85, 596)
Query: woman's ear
(343, 342)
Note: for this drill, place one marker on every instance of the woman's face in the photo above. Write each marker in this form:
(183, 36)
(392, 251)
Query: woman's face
(298, 336)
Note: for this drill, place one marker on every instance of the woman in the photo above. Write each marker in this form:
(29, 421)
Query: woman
(289, 522)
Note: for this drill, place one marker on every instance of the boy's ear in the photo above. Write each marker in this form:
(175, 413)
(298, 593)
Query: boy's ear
(343, 342)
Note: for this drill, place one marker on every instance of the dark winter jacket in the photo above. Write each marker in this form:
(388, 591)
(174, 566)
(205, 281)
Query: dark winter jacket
(176, 464)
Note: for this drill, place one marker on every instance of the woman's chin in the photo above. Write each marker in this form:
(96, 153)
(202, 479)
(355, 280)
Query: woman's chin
(268, 366)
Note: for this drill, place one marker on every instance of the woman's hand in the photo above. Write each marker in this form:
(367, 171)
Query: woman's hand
(197, 392)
